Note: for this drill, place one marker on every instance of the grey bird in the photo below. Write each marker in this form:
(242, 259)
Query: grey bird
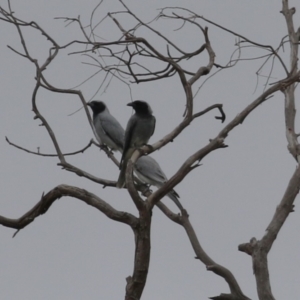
(111, 133)
(108, 130)
(140, 128)
(149, 171)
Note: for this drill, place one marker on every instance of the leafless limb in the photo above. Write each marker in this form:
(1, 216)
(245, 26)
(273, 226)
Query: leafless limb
(218, 106)
(41, 81)
(68, 191)
(196, 16)
(76, 20)
(259, 249)
(215, 143)
(50, 155)
(183, 220)
(218, 141)
(236, 292)
(121, 58)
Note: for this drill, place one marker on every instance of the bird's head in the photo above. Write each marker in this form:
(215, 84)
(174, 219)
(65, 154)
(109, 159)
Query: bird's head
(97, 106)
(141, 107)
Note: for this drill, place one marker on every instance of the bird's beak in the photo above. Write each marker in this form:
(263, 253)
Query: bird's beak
(89, 104)
(130, 104)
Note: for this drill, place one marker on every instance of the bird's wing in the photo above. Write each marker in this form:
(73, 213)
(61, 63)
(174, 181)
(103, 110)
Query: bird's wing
(154, 122)
(152, 174)
(149, 168)
(98, 130)
(113, 130)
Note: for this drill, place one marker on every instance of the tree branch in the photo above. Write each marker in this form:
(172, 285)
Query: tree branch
(259, 249)
(289, 92)
(63, 191)
(49, 155)
(183, 220)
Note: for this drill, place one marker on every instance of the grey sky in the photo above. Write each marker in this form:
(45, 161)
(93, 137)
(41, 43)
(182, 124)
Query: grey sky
(75, 252)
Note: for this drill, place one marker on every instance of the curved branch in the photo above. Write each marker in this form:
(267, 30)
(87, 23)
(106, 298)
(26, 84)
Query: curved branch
(138, 201)
(38, 115)
(150, 28)
(274, 52)
(218, 106)
(216, 143)
(211, 265)
(81, 173)
(49, 155)
(260, 249)
(64, 190)
(172, 216)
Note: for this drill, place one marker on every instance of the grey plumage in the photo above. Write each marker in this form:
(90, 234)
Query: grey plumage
(149, 171)
(107, 128)
(110, 132)
(140, 128)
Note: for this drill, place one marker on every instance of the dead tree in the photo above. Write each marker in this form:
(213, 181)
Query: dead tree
(133, 59)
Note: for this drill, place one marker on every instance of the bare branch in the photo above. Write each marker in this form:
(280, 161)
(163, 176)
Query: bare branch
(218, 106)
(63, 191)
(214, 144)
(138, 201)
(69, 167)
(260, 249)
(77, 20)
(289, 92)
(120, 59)
(49, 155)
(173, 217)
(233, 33)
(136, 282)
(153, 30)
(183, 220)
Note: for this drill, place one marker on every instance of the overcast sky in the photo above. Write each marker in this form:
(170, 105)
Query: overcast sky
(74, 251)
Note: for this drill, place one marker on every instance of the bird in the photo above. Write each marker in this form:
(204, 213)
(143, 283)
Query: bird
(149, 171)
(108, 130)
(140, 128)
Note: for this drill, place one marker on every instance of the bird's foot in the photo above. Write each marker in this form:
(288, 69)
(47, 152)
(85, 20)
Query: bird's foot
(144, 151)
(146, 191)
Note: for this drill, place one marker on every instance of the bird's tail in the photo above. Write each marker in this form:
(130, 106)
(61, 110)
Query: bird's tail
(174, 197)
(121, 179)
(125, 157)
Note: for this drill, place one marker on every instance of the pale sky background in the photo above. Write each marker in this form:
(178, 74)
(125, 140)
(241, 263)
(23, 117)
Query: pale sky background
(74, 251)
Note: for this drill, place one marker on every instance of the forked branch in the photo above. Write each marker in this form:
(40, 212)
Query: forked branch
(259, 249)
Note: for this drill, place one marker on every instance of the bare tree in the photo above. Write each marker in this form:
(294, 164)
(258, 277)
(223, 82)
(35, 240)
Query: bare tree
(132, 59)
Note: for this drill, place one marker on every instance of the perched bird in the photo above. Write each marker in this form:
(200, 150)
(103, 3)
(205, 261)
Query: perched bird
(140, 128)
(111, 133)
(107, 128)
(149, 171)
